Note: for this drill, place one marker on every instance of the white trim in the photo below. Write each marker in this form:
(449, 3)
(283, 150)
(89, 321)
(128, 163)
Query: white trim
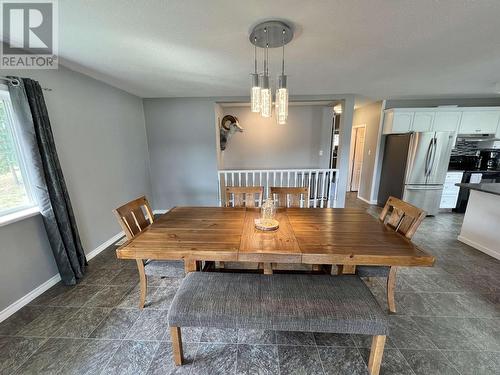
(104, 245)
(377, 166)
(495, 254)
(160, 212)
(23, 301)
(18, 215)
(366, 200)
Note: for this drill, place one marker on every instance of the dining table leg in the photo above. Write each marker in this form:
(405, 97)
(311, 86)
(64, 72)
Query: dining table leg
(268, 269)
(346, 269)
(190, 265)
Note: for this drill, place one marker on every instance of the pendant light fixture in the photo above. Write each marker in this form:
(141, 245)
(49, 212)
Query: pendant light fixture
(270, 34)
(255, 93)
(265, 91)
(282, 91)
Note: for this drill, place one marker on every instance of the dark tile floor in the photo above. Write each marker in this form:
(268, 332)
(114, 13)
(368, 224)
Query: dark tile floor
(448, 323)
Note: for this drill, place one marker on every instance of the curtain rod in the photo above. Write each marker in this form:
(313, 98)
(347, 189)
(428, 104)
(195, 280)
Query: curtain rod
(15, 82)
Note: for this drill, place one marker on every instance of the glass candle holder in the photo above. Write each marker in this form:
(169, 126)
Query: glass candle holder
(268, 211)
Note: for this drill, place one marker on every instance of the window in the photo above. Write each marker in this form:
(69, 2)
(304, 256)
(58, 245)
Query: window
(15, 191)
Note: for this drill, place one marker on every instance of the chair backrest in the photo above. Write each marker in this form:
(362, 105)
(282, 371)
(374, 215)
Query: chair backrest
(290, 196)
(401, 216)
(248, 196)
(134, 216)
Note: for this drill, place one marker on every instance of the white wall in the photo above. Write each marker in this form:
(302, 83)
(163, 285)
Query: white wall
(368, 115)
(266, 145)
(100, 137)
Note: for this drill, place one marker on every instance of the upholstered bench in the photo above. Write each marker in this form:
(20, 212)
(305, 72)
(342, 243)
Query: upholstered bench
(282, 302)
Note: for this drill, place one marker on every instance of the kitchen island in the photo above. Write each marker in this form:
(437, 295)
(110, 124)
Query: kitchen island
(481, 226)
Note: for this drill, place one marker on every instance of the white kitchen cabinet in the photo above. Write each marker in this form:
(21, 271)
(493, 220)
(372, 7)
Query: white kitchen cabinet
(479, 121)
(469, 120)
(447, 121)
(397, 122)
(423, 121)
(450, 191)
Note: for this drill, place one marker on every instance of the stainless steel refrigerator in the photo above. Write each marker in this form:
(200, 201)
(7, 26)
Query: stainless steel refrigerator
(414, 168)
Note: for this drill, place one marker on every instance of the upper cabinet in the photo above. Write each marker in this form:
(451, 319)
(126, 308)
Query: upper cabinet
(423, 121)
(398, 122)
(479, 122)
(447, 121)
(461, 120)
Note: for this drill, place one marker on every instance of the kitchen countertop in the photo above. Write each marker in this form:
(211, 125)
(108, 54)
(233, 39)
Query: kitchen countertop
(492, 188)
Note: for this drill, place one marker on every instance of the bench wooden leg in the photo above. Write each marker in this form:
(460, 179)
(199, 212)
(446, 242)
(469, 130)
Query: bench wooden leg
(268, 269)
(391, 289)
(143, 283)
(316, 267)
(376, 353)
(175, 333)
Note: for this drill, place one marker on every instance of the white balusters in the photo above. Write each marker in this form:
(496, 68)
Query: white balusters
(321, 183)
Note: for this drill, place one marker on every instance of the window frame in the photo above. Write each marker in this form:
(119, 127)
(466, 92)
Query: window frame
(20, 154)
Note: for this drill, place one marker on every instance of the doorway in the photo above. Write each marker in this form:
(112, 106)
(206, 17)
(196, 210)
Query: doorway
(356, 160)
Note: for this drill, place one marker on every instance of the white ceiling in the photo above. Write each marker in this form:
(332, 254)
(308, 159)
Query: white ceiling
(373, 48)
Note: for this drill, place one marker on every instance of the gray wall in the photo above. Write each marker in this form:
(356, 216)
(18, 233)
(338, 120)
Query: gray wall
(100, 137)
(266, 145)
(368, 115)
(182, 149)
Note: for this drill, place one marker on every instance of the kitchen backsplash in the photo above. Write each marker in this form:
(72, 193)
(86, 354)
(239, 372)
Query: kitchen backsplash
(465, 148)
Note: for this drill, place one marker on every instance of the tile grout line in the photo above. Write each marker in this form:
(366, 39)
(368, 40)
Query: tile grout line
(319, 356)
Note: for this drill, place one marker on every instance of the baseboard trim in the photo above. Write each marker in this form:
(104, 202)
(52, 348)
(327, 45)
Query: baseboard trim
(104, 245)
(23, 301)
(366, 200)
(160, 212)
(495, 254)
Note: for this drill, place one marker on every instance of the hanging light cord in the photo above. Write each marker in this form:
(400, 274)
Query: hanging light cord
(283, 55)
(255, 53)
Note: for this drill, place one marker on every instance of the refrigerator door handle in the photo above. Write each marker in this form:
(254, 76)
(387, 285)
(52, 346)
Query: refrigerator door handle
(433, 157)
(427, 158)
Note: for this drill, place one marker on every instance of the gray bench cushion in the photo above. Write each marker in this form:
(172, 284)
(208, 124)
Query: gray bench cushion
(372, 271)
(164, 268)
(311, 303)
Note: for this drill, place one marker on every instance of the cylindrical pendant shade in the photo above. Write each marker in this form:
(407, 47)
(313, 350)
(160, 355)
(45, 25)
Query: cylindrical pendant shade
(255, 93)
(265, 97)
(281, 101)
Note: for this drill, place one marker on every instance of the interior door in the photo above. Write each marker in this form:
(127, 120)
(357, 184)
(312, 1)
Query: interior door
(357, 161)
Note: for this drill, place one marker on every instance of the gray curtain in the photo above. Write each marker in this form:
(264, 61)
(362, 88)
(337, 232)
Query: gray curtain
(47, 179)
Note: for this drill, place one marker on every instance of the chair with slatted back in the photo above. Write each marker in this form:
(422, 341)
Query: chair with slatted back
(134, 217)
(247, 196)
(290, 196)
(403, 218)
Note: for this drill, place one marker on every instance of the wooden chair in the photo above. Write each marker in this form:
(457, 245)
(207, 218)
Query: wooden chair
(244, 196)
(291, 196)
(134, 217)
(403, 218)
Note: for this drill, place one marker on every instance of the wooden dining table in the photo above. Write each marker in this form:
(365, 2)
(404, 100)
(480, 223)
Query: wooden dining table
(344, 237)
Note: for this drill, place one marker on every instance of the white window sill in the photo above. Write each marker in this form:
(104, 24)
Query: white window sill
(18, 216)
